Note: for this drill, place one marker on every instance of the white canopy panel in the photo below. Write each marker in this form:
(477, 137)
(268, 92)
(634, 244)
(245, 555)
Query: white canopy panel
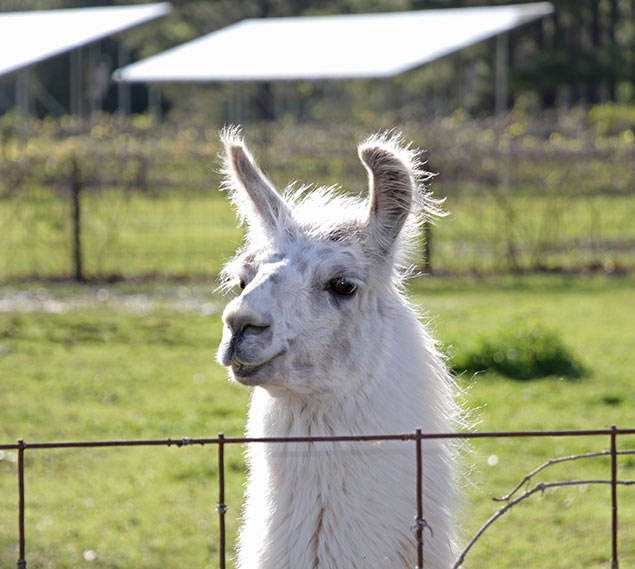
(329, 47)
(29, 37)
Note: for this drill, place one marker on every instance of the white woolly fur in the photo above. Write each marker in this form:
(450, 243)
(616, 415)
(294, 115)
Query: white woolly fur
(325, 337)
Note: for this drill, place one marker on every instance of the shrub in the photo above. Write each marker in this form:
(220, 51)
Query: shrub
(522, 351)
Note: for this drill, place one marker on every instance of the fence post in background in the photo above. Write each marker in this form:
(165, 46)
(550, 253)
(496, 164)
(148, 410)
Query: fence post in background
(21, 507)
(614, 563)
(427, 247)
(76, 188)
(222, 508)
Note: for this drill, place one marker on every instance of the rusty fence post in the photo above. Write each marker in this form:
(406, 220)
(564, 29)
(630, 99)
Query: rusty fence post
(222, 507)
(614, 563)
(21, 506)
(419, 521)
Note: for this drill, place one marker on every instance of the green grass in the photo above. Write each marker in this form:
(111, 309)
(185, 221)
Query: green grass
(138, 362)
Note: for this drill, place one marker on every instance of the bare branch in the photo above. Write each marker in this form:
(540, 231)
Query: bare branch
(538, 488)
(551, 462)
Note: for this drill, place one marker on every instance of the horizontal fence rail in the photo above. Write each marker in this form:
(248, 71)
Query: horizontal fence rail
(418, 436)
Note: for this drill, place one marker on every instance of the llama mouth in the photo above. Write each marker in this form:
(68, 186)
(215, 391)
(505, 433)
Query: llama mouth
(242, 370)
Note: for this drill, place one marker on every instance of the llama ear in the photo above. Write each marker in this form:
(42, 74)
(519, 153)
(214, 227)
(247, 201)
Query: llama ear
(391, 184)
(253, 194)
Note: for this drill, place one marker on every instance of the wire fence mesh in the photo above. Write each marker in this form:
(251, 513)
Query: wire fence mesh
(514, 497)
(115, 198)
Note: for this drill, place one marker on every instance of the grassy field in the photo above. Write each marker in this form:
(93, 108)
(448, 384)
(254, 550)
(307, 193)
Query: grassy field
(137, 361)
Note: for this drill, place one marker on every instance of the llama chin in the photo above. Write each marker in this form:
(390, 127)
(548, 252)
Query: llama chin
(323, 333)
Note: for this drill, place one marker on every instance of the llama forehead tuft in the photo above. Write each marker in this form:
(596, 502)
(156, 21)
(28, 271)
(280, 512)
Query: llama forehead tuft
(326, 212)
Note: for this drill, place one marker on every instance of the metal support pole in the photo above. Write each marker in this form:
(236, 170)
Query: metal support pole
(92, 85)
(77, 83)
(502, 72)
(23, 90)
(154, 101)
(419, 521)
(123, 88)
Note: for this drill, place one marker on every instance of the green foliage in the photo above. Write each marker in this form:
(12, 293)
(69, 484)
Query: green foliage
(612, 119)
(523, 350)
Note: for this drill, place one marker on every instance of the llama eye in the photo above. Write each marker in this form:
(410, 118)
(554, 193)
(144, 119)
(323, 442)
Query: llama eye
(342, 286)
(242, 284)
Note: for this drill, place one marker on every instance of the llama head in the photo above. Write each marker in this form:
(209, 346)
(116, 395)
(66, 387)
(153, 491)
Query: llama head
(318, 271)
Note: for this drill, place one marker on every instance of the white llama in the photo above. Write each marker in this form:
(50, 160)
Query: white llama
(324, 335)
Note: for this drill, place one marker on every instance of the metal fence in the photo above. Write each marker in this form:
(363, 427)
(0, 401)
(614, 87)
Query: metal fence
(417, 437)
